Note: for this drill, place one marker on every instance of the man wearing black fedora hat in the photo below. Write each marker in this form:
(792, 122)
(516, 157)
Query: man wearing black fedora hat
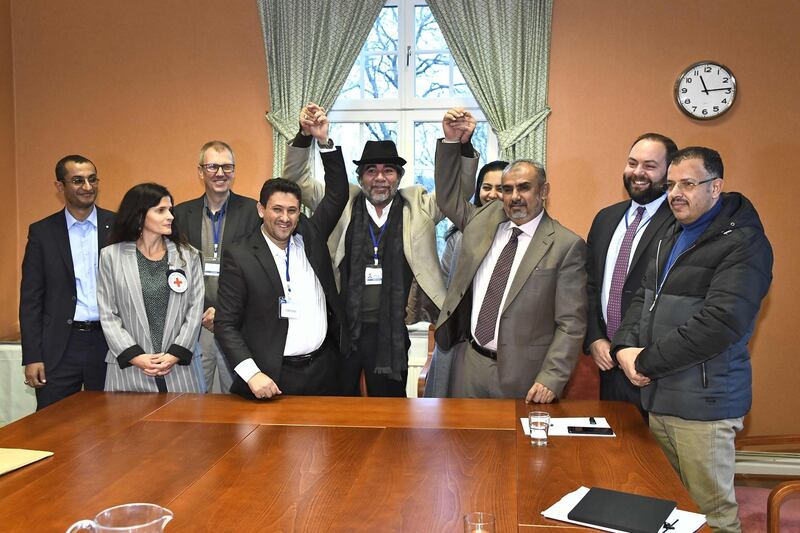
(385, 238)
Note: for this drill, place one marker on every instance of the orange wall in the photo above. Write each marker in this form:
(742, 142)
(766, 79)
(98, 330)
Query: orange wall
(9, 289)
(139, 86)
(612, 68)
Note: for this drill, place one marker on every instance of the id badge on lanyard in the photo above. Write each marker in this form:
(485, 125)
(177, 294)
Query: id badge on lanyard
(287, 308)
(373, 274)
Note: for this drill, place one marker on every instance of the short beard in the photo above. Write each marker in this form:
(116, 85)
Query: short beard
(646, 196)
(382, 199)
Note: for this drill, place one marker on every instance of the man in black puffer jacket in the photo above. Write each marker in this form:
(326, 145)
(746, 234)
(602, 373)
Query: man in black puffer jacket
(684, 337)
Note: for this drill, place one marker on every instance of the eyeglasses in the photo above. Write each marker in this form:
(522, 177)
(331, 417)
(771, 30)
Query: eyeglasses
(686, 185)
(212, 168)
(78, 181)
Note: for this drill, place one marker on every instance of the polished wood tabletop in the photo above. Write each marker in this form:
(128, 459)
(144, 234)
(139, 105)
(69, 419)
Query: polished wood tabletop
(221, 463)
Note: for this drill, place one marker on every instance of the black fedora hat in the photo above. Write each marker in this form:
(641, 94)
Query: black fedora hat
(380, 152)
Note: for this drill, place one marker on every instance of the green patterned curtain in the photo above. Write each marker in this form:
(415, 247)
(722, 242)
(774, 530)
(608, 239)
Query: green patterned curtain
(311, 46)
(502, 48)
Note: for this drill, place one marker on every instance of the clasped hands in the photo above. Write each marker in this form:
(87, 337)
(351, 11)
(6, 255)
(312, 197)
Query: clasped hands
(458, 125)
(155, 364)
(314, 121)
(626, 358)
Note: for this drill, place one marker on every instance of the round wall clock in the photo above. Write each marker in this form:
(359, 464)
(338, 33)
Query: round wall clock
(705, 90)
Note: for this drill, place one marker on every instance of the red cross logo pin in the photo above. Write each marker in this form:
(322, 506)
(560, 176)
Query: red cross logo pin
(177, 282)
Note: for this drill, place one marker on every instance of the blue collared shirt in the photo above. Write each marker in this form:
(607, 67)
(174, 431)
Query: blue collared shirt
(83, 244)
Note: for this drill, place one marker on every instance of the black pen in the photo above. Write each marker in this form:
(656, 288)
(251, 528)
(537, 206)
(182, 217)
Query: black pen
(592, 420)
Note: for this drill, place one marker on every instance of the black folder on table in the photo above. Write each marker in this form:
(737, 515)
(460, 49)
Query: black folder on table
(622, 511)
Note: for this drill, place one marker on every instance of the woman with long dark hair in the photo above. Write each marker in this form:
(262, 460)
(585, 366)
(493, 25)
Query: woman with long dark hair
(150, 294)
(487, 189)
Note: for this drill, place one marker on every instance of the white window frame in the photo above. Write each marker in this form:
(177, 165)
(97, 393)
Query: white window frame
(407, 108)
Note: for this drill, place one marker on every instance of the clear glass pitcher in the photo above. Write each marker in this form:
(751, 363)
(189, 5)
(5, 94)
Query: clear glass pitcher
(128, 518)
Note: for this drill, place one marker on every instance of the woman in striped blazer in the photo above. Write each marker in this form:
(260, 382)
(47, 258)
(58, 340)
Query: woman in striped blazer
(150, 294)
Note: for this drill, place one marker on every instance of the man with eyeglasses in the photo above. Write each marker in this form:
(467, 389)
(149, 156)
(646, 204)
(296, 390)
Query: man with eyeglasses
(684, 338)
(621, 241)
(215, 220)
(63, 347)
(385, 238)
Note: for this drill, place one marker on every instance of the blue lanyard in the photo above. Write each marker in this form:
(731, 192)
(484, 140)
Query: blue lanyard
(642, 223)
(288, 279)
(376, 242)
(216, 227)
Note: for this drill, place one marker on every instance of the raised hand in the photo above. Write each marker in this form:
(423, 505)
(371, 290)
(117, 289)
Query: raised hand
(458, 125)
(314, 121)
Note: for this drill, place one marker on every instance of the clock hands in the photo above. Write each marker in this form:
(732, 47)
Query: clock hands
(720, 89)
(705, 89)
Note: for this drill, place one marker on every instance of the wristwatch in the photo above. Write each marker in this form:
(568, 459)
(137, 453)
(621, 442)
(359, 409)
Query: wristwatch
(328, 145)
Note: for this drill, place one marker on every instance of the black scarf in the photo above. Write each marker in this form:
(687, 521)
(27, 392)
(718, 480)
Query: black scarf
(392, 332)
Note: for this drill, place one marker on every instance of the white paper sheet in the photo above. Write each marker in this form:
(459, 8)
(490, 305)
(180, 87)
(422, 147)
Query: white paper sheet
(558, 426)
(684, 521)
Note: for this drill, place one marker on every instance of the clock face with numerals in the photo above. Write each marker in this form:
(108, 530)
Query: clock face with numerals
(705, 90)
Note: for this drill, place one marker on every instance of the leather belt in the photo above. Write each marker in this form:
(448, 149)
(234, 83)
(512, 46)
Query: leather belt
(85, 326)
(491, 354)
(304, 360)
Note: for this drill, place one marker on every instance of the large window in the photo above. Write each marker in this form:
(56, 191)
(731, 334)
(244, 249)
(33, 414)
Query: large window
(399, 88)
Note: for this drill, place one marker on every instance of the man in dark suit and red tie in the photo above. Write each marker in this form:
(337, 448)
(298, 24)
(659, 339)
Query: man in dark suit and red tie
(63, 347)
(621, 241)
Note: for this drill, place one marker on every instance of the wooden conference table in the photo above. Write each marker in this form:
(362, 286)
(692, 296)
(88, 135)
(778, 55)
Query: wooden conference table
(317, 464)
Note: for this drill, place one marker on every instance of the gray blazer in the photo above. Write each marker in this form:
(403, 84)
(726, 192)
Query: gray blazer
(124, 319)
(544, 319)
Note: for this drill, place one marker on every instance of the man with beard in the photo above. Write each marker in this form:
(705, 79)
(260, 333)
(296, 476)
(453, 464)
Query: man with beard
(621, 241)
(684, 338)
(385, 237)
(63, 347)
(516, 306)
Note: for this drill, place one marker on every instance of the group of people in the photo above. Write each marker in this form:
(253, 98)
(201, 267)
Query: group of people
(663, 295)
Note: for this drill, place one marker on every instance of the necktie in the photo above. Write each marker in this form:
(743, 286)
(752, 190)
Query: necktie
(614, 308)
(490, 308)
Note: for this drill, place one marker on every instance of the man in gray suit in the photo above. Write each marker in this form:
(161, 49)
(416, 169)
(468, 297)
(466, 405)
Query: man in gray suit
(516, 305)
(215, 220)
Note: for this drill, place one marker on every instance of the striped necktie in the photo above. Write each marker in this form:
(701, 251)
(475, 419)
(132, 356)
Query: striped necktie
(614, 308)
(490, 308)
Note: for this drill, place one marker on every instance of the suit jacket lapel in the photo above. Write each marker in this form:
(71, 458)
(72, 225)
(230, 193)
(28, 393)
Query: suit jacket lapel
(655, 226)
(264, 256)
(61, 235)
(540, 243)
(174, 297)
(476, 244)
(194, 225)
(130, 271)
(232, 217)
(604, 239)
(103, 230)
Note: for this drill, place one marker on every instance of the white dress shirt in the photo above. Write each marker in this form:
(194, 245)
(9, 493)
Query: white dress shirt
(381, 219)
(484, 273)
(307, 331)
(616, 243)
(83, 245)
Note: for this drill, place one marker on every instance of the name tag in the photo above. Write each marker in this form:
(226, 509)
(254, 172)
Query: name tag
(287, 308)
(373, 275)
(211, 269)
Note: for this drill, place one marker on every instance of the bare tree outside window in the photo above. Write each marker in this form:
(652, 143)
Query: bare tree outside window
(403, 81)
